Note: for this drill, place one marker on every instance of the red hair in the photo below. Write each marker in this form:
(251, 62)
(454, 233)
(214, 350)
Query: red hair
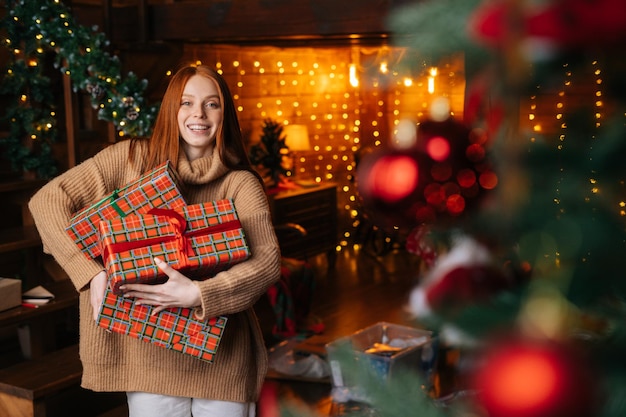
(164, 144)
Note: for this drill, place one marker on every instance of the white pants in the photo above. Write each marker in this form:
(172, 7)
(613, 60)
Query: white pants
(143, 404)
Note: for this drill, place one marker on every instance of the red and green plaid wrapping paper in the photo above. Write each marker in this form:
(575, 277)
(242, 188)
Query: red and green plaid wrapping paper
(175, 328)
(199, 240)
(157, 188)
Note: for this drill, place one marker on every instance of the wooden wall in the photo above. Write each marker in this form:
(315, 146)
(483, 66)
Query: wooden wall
(218, 21)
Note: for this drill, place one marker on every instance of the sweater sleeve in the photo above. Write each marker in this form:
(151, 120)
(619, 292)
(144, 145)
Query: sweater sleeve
(55, 203)
(239, 287)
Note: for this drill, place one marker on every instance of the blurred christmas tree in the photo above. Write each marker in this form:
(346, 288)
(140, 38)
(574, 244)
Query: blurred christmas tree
(521, 219)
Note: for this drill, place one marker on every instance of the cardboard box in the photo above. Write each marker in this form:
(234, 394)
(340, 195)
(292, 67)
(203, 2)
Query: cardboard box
(10, 293)
(379, 352)
(198, 240)
(158, 188)
(175, 328)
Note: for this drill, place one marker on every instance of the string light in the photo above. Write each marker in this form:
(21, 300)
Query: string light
(432, 73)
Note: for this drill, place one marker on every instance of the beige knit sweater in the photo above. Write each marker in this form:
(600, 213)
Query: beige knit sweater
(114, 362)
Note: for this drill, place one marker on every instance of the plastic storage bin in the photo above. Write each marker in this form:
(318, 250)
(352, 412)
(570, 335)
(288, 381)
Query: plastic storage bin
(379, 351)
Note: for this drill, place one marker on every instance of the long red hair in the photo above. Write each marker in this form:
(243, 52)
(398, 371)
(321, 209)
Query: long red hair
(164, 144)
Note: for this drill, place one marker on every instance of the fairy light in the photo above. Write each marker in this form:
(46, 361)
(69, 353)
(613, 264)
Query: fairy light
(560, 107)
(598, 103)
(354, 79)
(432, 73)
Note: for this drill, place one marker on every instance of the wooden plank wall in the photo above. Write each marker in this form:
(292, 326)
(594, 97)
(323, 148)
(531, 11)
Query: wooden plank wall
(239, 20)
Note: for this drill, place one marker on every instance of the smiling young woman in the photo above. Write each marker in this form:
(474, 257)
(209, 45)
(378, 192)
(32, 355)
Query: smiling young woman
(198, 132)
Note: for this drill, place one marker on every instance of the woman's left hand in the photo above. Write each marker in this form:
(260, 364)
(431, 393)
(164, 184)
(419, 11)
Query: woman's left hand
(178, 291)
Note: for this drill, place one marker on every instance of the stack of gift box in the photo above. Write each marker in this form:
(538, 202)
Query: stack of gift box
(149, 218)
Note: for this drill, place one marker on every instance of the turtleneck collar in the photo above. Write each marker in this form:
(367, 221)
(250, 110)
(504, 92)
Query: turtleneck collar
(201, 170)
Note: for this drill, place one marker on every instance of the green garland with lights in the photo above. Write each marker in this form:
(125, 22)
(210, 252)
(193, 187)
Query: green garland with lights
(35, 28)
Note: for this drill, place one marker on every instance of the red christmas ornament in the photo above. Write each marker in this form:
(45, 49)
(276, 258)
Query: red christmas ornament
(536, 379)
(393, 177)
(389, 183)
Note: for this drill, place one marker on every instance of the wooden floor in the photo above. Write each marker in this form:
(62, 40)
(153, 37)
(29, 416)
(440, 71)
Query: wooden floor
(359, 291)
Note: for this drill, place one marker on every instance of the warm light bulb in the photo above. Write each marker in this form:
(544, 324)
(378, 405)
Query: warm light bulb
(406, 135)
(354, 80)
(440, 109)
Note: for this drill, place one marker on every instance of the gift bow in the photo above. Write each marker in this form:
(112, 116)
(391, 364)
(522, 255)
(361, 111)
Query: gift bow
(182, 242)
(181, 237)
(112, 200)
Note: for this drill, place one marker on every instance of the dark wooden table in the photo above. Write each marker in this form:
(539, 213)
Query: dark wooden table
(313, 208)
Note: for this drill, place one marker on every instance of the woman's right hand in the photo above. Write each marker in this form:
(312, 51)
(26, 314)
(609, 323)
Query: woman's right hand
(97, 288)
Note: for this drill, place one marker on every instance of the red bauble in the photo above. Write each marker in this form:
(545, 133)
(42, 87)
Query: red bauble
(393, 177)
(389, 183)
(536, 379)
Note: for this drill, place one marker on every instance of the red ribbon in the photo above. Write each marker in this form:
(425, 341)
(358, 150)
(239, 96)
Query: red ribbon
(181, 237)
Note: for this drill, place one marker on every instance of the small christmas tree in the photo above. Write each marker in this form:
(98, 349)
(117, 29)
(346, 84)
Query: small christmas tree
(269, 154)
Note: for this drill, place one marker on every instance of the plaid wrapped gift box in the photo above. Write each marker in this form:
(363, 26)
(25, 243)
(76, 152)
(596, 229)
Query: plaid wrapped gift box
(175, 328)
(157, 188)
(199, 240)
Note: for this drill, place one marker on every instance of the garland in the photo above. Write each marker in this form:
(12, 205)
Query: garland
(34, 29)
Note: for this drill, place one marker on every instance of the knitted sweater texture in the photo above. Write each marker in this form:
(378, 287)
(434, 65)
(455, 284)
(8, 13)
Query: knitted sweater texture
(115, 362)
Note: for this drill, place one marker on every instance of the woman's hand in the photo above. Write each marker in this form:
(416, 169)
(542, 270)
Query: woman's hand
(178, 291)
(97, 287)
